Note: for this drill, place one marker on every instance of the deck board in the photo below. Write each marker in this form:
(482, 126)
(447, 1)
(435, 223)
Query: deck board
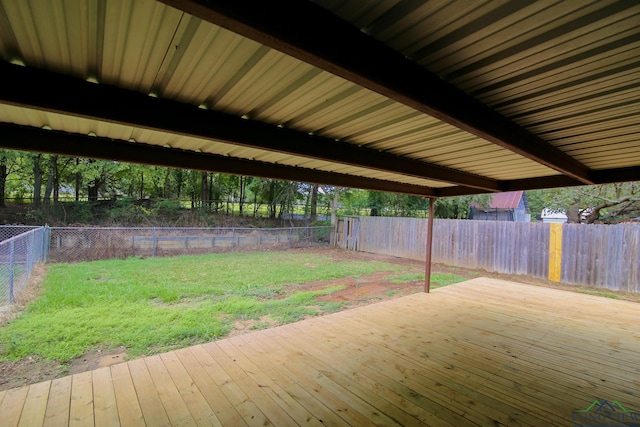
(197, 405)
(12, 404)
(129, 410)
(57, 413)
(35, 405)
(81, 409)
(105, 406)
(482, 352)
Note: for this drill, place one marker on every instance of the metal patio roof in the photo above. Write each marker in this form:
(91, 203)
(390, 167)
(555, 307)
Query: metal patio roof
(434, 98)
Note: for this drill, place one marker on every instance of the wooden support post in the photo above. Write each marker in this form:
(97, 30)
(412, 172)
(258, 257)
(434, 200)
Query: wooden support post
(555, 252)
(427, 273)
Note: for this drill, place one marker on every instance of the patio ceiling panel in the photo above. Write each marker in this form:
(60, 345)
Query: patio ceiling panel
(347, 53)
(485, 96)
(43, 90)
(524, 60)
(84, 126)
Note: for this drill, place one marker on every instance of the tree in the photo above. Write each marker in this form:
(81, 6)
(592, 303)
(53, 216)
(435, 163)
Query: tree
(376, 201)
(204, 189)
(37, 179)
(595, 203)
(313, 201)
(333, 195)
(52, 178)
(99, 176)
(9, 161)
(459, 207)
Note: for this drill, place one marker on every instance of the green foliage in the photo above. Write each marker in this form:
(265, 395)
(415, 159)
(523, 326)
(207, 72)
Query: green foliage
(151, 305)
(599, 293)
(445, 279)
(437, 279)
(390, 204)
(605, 203)
(459, 207)
(167, 206)
(159, 191)
(537, 200)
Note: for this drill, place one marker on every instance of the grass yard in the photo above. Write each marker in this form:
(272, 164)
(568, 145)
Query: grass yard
(152, 305)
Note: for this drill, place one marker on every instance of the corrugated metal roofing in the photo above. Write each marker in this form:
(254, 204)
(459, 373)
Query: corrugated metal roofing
(506, 200)
(566, 71)
(562, 69)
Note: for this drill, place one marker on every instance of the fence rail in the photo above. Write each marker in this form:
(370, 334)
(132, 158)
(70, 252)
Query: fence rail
(595, 255)
(18, 255)
(86, 244)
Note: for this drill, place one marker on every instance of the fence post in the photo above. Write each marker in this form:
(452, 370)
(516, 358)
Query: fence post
(46, 243)
(290, 236)
(11, 271)
(153, 242)
(31, 251)
(555, 252)
(233, 238)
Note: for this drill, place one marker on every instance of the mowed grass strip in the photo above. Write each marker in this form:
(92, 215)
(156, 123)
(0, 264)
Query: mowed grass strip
(438, 280)
(156, 304)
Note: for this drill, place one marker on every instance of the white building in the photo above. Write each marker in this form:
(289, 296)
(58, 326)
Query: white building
(552, 216)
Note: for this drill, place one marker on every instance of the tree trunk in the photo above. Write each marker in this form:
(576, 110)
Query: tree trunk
(93, 190)
(214, 194)
(593, 216)
(141, 186)
(334, 206)
(56, 181)
(53, 168)
(167, 184)
(255, 205)
(273, 205)
(314, 204)
(242, 183)
(3, 180)
(78, 180)
(204, 191)
(573, 214)
(37, 181)
(179, 178)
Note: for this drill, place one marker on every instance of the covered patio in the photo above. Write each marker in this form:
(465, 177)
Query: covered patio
(482, 352)
(434, 99)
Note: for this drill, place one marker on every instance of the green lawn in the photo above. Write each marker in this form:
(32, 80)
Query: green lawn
(152, 305)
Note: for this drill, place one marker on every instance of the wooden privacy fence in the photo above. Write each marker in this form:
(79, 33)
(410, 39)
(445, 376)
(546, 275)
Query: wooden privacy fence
(596, 255)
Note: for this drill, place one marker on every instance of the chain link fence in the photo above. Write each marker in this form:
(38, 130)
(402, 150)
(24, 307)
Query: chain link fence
(9, 231)
(88, 244)
(18, 255)
(21, 247)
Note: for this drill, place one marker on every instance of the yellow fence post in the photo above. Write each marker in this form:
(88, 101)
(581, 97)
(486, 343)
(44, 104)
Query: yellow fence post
(555, 252)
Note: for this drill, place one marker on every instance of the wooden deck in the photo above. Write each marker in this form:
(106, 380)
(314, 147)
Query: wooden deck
(483, 352)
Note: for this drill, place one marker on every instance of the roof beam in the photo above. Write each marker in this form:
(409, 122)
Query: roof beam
(312, 34)
(44, 90)
(29, 138)
(602, 176)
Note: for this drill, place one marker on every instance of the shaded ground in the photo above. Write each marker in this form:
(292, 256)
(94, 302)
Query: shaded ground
(361, 290)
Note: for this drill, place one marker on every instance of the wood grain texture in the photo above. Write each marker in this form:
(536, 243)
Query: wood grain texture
(595, 255)
(482, 352)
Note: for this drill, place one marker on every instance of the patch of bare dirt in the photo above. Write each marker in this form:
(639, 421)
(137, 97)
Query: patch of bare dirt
(97, 359)
(28, 371)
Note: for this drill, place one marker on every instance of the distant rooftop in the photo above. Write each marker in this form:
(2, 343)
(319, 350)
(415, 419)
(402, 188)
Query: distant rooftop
(508, 200)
